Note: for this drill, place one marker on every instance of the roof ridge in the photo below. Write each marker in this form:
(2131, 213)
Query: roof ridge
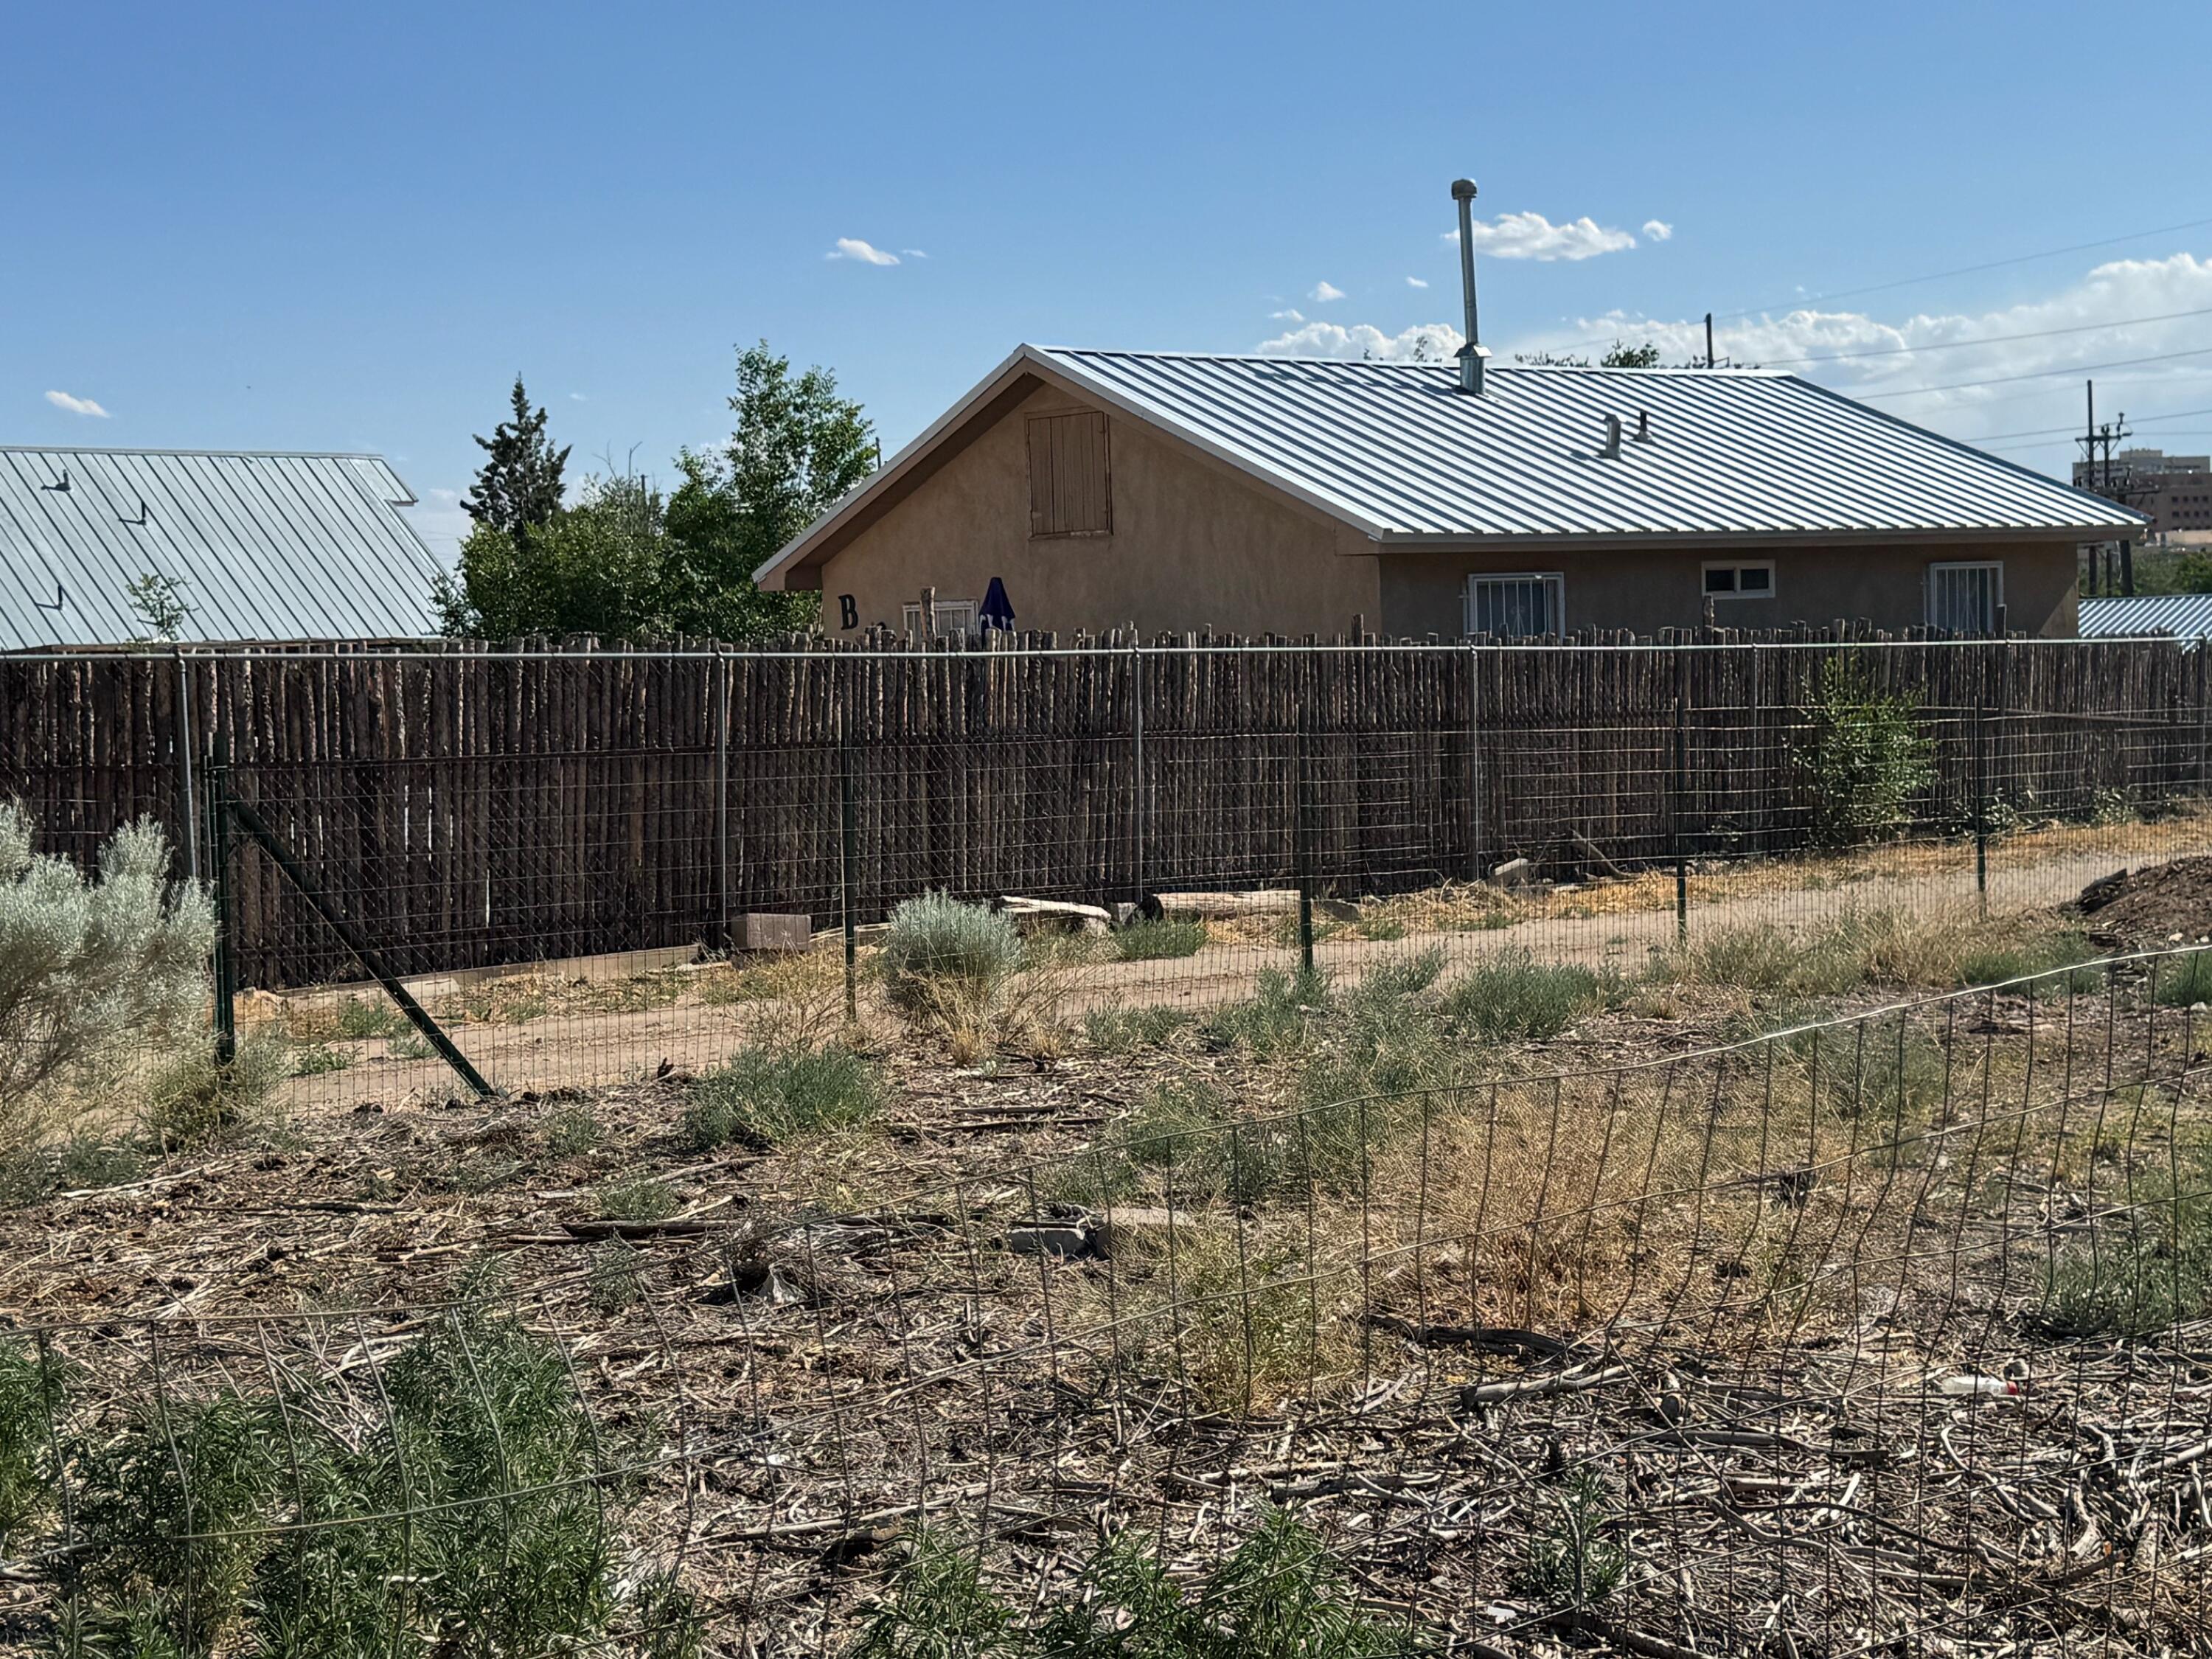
(1445, 364)
(240, 454)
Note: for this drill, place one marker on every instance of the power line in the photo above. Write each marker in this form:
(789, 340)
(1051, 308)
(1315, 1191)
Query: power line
(1909, 281)
(1968, 271)
(2075, 430)
(2037, 375)
(1994, 339)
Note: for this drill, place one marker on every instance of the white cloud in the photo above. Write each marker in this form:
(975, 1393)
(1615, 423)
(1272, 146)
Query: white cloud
(913, 253)
(1423, 343)
(1657, 230)
(1532, 236)
(578, 398)
(1325, 292)
(438, 494)
(1924, 367)
(75, 405)
(852, 247)
(1291, 315)
(1415, 281)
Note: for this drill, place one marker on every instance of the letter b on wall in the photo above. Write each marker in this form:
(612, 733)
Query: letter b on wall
(848, 614)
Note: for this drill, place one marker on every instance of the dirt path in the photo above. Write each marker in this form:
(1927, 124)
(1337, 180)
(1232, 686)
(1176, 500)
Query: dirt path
(594, 1049)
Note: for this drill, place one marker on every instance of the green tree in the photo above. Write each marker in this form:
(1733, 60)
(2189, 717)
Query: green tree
(1630, 356)
(599, 567)
(519, 486)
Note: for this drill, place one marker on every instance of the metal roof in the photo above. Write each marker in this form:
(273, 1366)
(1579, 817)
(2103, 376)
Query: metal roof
(260, 546)
(2187, 616)
(1398, 452)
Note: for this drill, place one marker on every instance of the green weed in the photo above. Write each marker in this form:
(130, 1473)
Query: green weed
(1511, 996)
(637, 1196)
(1147, 941)
(1121, 1031)
(767, 1096)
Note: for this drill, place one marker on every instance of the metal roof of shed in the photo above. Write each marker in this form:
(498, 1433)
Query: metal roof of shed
(2187, 616)
(1398, 452)
(262, 546)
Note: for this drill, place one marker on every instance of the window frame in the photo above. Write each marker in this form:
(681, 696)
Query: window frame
(1735, 567)
(1933, 581)
(1554, 583)
(910, 616)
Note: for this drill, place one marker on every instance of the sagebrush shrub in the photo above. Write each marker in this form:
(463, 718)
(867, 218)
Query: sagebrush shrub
(1512, 996)
(939, 949)
(764, 1097)
(90, 971)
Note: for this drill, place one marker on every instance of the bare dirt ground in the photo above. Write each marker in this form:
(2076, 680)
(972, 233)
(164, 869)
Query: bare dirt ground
(538, 1038)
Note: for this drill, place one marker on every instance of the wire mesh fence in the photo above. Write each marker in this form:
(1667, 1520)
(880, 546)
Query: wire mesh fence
(1879, 1333)
(566, 854)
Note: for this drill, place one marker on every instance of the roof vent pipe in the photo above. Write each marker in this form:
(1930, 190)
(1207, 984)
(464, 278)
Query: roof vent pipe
(1612, 450)
(1472, 354)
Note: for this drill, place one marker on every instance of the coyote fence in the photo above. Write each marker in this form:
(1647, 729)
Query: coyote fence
(473, 806)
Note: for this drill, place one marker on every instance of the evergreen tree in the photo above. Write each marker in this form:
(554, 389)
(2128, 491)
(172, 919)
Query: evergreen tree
(518, 486)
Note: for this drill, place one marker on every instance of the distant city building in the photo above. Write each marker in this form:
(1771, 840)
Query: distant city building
(2174, 491)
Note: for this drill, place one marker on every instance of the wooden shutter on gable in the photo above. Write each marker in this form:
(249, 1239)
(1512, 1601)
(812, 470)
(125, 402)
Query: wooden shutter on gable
(1071, 490)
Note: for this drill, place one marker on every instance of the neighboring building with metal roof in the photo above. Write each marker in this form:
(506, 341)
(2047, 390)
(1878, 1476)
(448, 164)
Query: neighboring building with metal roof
(2186, 616)
(1180, 491)
(255, 546)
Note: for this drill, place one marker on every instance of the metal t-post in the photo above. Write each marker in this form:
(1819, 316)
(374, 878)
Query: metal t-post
(1675, 830)
(1474, 814)
(1981, 811)
(1301, 833)
(1139, 804)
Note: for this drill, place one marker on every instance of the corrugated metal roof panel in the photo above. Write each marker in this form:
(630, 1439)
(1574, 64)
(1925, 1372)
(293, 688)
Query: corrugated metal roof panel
(2188, 615)
(1397, 449)
(260, 546)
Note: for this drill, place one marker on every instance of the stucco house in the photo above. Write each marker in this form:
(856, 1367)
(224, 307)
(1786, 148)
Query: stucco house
(1179, 491)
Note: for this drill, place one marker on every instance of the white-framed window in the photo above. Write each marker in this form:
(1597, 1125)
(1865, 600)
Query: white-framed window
(1520, 605)
(956, 618)
(1751, 580)
(1963, 598)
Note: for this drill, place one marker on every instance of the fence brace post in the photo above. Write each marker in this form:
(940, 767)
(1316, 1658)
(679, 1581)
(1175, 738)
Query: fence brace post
(1139, 804)
(218, 858)
(1681, 781)
(847, 856)
(1981, 809)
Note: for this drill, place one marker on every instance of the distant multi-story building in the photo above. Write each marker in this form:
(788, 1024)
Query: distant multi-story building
(2174, 490)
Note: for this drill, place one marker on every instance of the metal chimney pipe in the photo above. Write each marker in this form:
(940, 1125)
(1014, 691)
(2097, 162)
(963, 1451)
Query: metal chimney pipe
(1472, 354)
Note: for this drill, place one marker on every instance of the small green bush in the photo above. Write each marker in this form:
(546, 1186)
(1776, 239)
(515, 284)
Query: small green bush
(1404, 973)
(2183, 981)
(614, 1278)
(31, 1402)
(29, 1174)
(370, 1017)
(1573, 1559)
(637, 1196)
(2061, 960)
(195, 1101)
(570, 1131)
(1119, 1030)
(938, 949)
(1146, 941)
(319, 1058)
(2143, 1271)
(766, 1097)
(1860, 757)
(1277, 1018)
(938, 1608)
(1511, 996)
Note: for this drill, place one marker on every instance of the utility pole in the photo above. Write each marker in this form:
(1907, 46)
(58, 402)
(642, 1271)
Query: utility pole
(2089, 475)
(1711, 361)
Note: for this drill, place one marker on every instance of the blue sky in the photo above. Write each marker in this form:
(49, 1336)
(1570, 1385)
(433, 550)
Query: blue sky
(315, 227)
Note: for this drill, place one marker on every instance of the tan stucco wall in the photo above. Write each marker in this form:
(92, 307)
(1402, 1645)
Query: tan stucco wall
(1193, 545)
(1196, 543)
(1645, 589)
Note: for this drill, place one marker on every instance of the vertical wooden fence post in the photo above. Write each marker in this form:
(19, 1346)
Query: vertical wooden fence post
(1140, 803)
(722, 795)
(1476, 868)
(225, 944)
(188, 801)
